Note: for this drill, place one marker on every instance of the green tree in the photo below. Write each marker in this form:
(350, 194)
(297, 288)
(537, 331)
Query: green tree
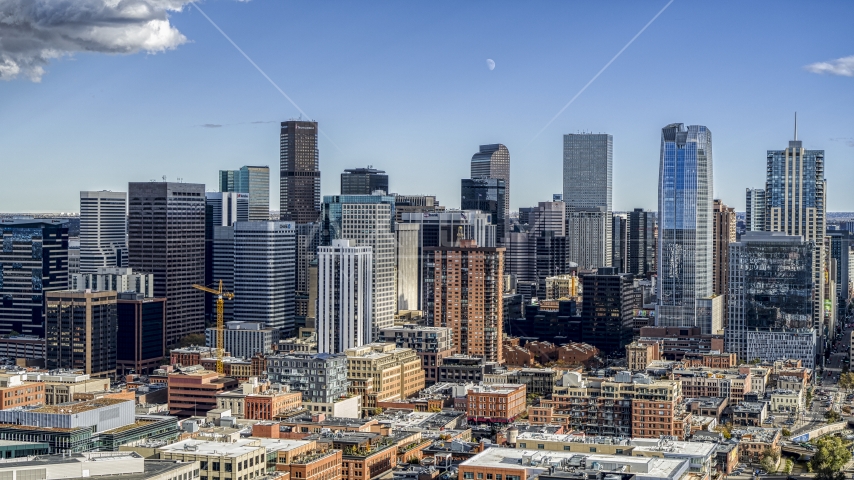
(846, 380)
(830, 458)
(786, 432)
(789, 466)
(832, 416)
(191, 339)
(769, 460)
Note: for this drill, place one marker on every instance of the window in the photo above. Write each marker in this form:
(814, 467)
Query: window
(479, 476)
(521, 445)
(468, 475)
(540, 446)
(619, 451)
(566, 447)
(215, 466)
(203, 464)
(227, 467)
(592, 449)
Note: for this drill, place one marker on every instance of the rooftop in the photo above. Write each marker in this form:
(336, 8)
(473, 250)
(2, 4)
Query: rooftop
(645, 468)
(199, 447)
(78, 407)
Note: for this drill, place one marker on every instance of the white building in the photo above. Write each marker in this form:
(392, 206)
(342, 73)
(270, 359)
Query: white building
(407, 236)
(344, 296)
(228, 207)
(786, 400)
(103, 230)
(113, 278)
(264, 273)
(244, 339)
(589, 232)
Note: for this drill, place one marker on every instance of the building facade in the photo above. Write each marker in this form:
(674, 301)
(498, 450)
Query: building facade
(771, 294)
(344, 298)
(754, 211)
(245, 339)
(33, 261)
(103, 225)
(254, 181)
(265, 273)
(141, 334)
(363, 181)
(493, 161)
(463, 288)
(80, 332)
(641, 226)
(299, 187)
(606, 310)
(487, 195)
(166, 237)
(589, 236)
(685, 223)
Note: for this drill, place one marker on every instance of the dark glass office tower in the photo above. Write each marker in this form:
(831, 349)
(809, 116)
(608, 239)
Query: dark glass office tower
(606, 311)
(166, 237)
(363, 181)
(551, 258)
(641, 242)
(300, 172)
(486, 195)
(493, 161)
(141, 335)
(33, 261)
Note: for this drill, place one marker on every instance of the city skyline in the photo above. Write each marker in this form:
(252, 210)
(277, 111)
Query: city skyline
(431, 100)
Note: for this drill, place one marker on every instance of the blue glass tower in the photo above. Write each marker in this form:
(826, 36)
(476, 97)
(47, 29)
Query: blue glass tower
(685, 223)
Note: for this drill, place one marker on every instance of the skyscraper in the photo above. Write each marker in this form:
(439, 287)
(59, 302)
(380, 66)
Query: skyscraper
(222, 209)
(754, 212)
(795, 191)
(254, 181)
(723, 233)
(299, 198)
(493, 161)
(363, 181)
(407, 248)
(840, 247)
(367, 221)
(103, 229)
(264, 274)
(141, 333)
(487, 195)
(463, 290)
(770, 292)
(685, 223)
(81, 332)
(33, 261)
(641, 227)
(166, 237)
(620, 242)
(588, 165)
(344, 296)
(606, 312)
(549, 217)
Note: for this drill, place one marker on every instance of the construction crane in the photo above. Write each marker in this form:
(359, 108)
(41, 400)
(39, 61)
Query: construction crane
(220, 295)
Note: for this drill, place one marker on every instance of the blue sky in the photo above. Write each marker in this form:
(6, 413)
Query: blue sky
(404, 86)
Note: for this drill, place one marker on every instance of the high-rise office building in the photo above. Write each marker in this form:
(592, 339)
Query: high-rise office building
(415, 204)
(344, 295)
(33, 261)
(222, 209)
(588, 168)
(550, 258)
(141, 333)
(642, 231)
(264, 274)
(493, 161)
(754, 211)
(770, 298)
(166, 237)
(367, 220)
(254, 181)
(115, 279)
(363, 181)
(463, 290)
(103, 229)
(407, 248)
(723, 233)
(795, 192)
(489, 196)
(443, 229)
(308, 239)
(620, 242)
(80, 332)
(549, 217)
(684, 223)
(299, 196)
(839, 251)
(589, 233)
(606, 310)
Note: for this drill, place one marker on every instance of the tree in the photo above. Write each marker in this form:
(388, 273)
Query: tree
(846, 381)
(786, 432)
(191, 339)
(832, 416)
(830, 458)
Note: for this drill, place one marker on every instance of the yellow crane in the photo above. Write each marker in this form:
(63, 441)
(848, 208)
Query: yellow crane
(220, 295)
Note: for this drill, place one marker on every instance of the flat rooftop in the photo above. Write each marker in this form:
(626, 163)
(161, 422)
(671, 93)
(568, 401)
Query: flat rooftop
(199, 447)
(645, 468)
(78, 407)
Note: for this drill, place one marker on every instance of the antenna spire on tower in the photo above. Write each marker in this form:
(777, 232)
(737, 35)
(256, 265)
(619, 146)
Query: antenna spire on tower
(796, 126)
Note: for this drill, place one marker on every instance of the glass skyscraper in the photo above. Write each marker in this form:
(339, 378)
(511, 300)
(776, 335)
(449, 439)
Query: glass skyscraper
(493, 161)
(488, 195)
(252, 180)
(685, 223)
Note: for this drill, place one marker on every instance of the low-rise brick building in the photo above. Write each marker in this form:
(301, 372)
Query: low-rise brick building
(495, 403)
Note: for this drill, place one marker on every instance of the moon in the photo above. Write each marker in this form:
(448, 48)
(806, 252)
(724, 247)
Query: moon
(490, 64)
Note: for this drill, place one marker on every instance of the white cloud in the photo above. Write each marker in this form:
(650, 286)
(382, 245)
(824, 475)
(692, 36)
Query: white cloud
(841, 66)
(33, 32)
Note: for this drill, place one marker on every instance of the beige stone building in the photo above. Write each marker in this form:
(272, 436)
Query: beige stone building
(381, 372)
